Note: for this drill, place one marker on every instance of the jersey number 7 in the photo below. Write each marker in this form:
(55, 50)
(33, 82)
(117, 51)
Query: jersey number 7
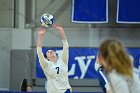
(57, 70)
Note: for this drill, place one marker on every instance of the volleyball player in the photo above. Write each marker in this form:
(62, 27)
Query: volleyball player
(55, 68)
(117, 64)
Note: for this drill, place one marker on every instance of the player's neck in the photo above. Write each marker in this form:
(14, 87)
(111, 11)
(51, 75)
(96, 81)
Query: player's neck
(54, 59)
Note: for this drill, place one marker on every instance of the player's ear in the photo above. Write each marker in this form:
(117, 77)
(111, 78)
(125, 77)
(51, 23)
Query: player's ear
(56, 54)
(45, 55)
(47, 58)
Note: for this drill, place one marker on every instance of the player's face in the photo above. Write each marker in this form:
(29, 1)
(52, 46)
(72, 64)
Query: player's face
(102, 61)
(50, 53)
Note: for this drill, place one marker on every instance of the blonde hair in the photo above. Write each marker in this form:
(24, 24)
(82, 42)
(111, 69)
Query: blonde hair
(116, 57)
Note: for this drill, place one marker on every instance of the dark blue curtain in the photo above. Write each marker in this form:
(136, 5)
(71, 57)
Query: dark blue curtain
(128, 11)
(90, 11)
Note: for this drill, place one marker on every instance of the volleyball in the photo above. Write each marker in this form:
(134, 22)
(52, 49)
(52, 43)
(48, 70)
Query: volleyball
(46, 20)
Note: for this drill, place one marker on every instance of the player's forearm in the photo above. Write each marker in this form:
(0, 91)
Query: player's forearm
(65, 44)
(39, 42)
(62, 34)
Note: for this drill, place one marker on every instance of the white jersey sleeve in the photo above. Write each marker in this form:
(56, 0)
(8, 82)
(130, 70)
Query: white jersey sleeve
(65, 52)
(43, 62)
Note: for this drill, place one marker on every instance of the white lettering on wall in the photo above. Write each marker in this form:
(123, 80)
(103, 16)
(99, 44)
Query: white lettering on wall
(84, 65)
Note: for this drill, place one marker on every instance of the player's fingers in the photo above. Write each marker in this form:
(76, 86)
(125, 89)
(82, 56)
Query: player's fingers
(42, 29)
(56, 24)
(53, 25)
(60, 25)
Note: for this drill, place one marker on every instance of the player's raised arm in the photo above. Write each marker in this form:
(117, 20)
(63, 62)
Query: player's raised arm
(61, 31)
(41, 32)
(64, 40)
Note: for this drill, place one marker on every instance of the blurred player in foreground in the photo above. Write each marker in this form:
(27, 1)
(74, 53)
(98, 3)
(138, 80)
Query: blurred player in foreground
(118, 66)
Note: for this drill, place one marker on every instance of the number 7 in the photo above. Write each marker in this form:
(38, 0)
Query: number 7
(57, 70)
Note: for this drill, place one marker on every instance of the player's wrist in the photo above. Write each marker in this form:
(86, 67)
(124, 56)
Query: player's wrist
(61, 30)
(40, 36)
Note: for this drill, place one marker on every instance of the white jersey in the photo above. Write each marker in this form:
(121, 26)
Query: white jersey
(122, 84)
(56, 73)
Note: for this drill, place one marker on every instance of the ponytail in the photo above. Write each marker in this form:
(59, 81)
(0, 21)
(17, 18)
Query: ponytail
(116, 57)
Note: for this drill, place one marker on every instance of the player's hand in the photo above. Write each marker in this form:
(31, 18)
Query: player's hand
(41, 31)
(58, 27)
